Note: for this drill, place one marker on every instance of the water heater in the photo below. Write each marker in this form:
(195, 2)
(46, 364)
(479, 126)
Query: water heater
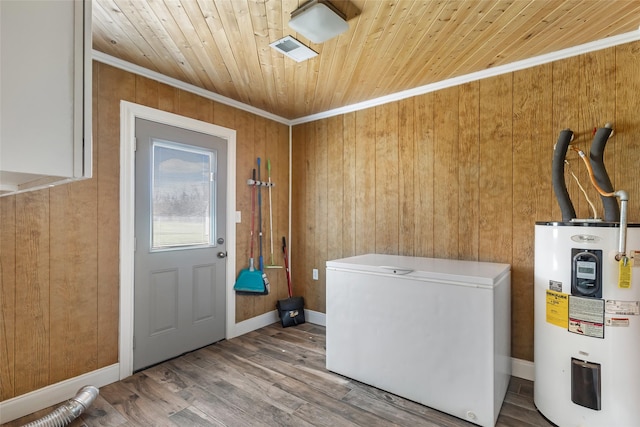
(587, 324)
(587, 302)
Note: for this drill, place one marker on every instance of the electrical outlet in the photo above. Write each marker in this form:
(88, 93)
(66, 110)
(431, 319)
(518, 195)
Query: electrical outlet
(315, 274)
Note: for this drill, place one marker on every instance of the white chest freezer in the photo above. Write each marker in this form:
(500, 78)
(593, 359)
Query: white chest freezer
(434, 331)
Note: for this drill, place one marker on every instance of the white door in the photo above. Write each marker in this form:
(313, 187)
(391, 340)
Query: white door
(180, 223)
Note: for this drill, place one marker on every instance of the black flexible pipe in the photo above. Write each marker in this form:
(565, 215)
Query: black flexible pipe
(596, 155)
(557, 175)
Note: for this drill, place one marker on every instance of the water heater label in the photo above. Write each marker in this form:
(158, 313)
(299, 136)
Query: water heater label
(558, 309)
(586, 316)
(617, 322)
(624, 308)
(554, 285)
(624, 273)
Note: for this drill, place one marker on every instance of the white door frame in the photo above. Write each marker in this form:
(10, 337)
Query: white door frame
(128, 113)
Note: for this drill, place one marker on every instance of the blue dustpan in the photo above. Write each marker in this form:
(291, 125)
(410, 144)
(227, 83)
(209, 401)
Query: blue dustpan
(250, 281)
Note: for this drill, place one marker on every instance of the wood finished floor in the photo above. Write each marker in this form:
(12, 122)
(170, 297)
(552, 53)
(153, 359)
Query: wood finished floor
(269, 377)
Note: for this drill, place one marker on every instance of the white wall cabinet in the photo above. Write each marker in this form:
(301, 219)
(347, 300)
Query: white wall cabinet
(45, 93)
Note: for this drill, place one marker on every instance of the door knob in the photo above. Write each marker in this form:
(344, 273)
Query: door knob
(222, 254)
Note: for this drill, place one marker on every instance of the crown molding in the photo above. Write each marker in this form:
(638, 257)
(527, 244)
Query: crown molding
(479, 75)
(154, 75)
(432, 87)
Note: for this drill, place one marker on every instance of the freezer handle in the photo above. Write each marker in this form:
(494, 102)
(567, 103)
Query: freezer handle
(396, 270)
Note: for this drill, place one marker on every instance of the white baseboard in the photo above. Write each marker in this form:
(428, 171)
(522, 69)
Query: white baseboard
(249, 325)
(254, 323)
(55, 393)
(315, 317)
(522, 369)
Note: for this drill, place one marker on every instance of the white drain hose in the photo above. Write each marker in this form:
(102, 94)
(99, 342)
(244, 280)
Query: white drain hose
(68, 411)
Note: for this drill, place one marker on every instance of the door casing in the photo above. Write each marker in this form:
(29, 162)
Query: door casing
(128, 113)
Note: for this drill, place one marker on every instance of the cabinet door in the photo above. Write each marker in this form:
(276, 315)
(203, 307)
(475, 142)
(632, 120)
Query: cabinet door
(45, 62)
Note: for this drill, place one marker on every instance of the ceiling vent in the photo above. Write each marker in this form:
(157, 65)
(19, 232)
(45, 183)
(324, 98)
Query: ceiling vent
(293, 49)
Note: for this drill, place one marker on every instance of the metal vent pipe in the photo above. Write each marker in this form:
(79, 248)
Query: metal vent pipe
(68, 411)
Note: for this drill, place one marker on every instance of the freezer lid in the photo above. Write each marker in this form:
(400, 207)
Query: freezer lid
(468, 272)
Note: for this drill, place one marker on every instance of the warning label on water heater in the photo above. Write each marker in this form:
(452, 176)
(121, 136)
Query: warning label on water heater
(617, 321)
(628, 308)
(586, 316)
(557, 308)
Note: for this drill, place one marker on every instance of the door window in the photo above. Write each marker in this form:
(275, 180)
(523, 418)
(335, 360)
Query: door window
(183, 199)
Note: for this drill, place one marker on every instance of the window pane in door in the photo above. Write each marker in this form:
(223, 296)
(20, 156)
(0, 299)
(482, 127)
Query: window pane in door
(183, 196)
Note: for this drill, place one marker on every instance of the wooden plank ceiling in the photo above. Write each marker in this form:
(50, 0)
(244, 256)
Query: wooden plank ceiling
(393, 45)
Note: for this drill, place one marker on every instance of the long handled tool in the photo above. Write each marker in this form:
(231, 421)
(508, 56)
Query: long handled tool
(265, 279)
(260, 217)
(271, 264)
(250, 280)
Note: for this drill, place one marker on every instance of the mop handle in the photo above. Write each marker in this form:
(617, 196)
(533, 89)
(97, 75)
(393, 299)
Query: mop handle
(253, 215)
(260, 258)
(270, 208)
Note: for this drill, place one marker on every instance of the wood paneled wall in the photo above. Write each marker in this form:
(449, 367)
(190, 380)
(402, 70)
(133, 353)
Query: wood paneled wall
(59, 248)
(461, 173)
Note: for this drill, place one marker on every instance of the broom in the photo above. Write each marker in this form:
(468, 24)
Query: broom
(250, 280)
